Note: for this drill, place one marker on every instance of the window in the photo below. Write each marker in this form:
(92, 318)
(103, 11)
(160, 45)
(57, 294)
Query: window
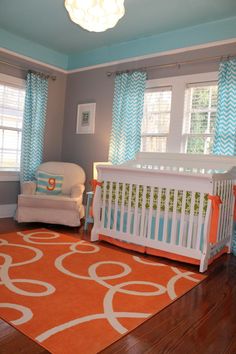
(180, 114)
(199, 117)
(156, 120)
(12, 95)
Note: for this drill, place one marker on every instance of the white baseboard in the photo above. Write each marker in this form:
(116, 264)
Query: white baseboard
(7, 210)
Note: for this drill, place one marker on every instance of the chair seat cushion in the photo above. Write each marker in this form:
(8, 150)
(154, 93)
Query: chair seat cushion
(49, 201)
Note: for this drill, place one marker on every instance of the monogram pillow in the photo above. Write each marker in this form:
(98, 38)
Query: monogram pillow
(48, 183)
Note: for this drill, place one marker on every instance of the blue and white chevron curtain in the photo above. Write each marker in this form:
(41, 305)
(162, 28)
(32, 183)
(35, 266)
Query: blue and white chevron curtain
(225, 132)
(128, 102)
(33, 124)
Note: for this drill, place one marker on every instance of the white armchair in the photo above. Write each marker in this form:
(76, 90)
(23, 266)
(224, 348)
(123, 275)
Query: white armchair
(65, 208)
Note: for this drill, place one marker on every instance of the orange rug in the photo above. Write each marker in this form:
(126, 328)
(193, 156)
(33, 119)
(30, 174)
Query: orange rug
(73, 296)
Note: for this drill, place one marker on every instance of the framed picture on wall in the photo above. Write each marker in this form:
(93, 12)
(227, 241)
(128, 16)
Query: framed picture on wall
(85, 123)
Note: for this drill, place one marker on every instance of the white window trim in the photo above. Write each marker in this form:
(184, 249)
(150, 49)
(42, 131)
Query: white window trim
(15, 81)
(9, 176)
(179, 84)
(12, 80)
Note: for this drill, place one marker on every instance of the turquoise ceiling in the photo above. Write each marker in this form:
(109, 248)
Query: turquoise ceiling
(42, 30)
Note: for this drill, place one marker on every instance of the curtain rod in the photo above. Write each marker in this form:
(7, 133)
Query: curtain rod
(175, 64)
(47, 75)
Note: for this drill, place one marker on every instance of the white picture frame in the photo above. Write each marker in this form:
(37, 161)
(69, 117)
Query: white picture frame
(85, 123)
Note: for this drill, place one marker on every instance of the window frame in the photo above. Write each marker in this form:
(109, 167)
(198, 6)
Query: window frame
(176, 137)
(157, 89)
(209, 111)
(17, 82)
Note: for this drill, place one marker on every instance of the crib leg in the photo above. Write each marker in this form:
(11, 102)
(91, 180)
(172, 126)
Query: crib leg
(229, 246)
(94, 235)
(96, 214)
(203, 265)
(204, 262)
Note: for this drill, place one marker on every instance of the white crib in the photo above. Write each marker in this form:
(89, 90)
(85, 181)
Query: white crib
(173, 205)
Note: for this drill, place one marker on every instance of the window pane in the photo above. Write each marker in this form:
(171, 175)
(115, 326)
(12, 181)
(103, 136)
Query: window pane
(11, 106)
(198, 123)
(195, 145)
(157, 106)
(200, 97)
(214, 93)
(154, 144)
(11, 117)
(199, 145)
(9, 159)
(10, 138)
(212, 122)
(157, 123)
(156, 119)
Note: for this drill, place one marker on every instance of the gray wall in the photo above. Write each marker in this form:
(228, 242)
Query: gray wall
(54, 119)
(95, 86)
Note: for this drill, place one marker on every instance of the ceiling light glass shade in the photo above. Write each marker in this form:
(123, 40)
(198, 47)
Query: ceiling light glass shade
(95, 15)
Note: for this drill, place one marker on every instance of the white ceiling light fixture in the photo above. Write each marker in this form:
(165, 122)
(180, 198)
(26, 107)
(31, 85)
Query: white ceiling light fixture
(95, 15)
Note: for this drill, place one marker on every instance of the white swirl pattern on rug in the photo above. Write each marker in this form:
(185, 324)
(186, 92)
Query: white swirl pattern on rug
(26, 313)
(50, 238)
(8, 263)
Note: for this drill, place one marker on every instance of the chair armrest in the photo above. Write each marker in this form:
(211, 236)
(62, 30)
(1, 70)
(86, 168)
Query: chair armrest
(28, 188)
(77, 190)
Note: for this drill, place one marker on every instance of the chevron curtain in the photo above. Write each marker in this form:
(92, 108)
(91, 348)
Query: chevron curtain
(225, 133)
(128, 102)
(33, 124)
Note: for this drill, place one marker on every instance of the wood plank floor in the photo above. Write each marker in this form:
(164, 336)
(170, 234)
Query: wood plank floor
(202, 321)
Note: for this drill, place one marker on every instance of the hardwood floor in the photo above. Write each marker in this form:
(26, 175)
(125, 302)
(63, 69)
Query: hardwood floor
(202, 321)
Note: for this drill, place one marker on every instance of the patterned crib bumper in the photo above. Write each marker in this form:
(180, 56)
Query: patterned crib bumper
(156, 195)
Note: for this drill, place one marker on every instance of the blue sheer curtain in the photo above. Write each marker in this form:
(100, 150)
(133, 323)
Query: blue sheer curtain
(225, 132)
(128, 102)
(33, 124)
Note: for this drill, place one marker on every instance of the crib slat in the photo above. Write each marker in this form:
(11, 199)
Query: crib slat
(104, 204)
(182, 219)
(122, 208)
(166, 215)
(225, 205)
(217, 191)
(225, 209)
(150, 214)
(231, 206)
(136, 222)
(158, 213)
(116, 206)
(232, 203)
(220, 225)
(222, 212)
(174, 219)
(129, 210)
(191, 216)
(143, 212)
(199, 224)
(109, 206)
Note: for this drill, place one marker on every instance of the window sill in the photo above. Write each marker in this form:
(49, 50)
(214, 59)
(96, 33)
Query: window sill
(9, 176)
